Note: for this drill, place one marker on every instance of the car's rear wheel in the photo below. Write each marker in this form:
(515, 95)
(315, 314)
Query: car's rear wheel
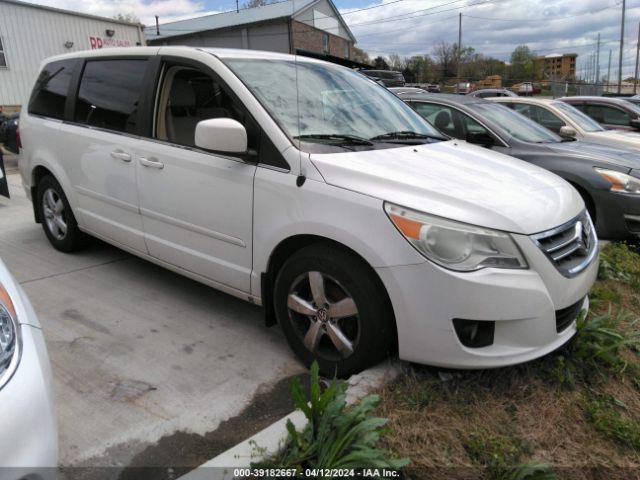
(333, 309)
(57, 219)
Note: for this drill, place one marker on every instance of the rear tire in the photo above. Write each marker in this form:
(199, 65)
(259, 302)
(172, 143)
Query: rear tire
(333, 309)
(57, 218)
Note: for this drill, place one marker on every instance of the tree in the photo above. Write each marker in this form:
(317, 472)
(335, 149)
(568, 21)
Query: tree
(420, 69)
(395, 62)
(380, 63)
(359, 55)
(256, 3)
(127, 17)
(522, 63)
(444, 54)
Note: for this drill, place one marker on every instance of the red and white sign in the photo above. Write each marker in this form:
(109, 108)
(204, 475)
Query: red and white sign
(102, 42)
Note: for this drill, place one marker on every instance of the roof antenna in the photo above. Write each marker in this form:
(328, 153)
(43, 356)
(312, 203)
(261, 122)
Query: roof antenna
(237, 7)
(301, 176)
(157, 26)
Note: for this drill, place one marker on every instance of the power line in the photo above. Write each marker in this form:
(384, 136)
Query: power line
(543, 19)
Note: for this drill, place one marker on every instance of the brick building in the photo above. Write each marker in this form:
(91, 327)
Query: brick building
(286, 27)
(556, 66)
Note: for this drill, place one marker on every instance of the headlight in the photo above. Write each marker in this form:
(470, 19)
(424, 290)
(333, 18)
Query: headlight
(455, 245)
(8, 334)
(620, 182)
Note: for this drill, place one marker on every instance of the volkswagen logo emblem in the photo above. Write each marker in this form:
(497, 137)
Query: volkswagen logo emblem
(322, 315)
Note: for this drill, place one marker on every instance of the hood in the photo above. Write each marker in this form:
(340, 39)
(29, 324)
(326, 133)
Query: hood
(458, 181)
(608, 153)
(626, 138)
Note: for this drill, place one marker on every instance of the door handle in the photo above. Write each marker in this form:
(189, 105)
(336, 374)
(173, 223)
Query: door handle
(151, 162)
(120, 155)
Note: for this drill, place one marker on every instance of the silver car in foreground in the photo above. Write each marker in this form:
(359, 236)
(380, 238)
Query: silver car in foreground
(28, 430)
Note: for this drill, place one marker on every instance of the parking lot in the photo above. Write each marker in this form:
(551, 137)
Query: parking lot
(139, 353)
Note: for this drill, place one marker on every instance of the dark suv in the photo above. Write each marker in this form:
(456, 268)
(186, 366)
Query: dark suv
(388, 77)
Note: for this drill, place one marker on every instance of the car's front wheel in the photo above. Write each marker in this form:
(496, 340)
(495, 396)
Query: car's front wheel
(57, 219)
(333, 308)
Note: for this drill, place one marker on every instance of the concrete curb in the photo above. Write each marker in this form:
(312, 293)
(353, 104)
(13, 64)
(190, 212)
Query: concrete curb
(269, 440)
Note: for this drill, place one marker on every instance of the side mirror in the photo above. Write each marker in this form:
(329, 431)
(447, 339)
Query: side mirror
(635, 123)
(480, 138)
(567, 132)
(221, 135)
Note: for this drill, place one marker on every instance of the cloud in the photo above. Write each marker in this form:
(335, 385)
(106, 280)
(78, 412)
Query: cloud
(412, 27)
(167, 10)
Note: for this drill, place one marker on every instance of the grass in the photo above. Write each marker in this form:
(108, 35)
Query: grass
(561, 416)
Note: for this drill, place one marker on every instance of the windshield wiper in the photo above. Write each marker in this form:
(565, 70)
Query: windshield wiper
(335, 137)
(406, 135)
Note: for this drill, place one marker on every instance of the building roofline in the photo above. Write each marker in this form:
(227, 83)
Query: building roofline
(337, 13)
(71, 12)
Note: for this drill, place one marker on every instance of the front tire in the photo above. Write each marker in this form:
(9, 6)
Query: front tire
(57, 218)
(333, 309)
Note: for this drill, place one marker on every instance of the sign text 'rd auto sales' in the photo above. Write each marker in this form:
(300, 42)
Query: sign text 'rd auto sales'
(101, 42)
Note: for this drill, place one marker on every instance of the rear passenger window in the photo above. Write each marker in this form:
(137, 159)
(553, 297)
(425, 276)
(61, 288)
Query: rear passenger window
(50, 92)
(110, 93)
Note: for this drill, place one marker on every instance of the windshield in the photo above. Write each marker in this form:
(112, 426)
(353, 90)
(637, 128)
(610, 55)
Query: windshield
(576, 116)
(515, 124)
(332, 104)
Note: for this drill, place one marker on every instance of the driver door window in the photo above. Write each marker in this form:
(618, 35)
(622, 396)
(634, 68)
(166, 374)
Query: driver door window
(188, 96)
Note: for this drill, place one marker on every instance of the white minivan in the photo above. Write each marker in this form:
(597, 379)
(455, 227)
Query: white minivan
(309, 189)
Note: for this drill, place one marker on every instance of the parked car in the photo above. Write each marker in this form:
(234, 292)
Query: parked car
(611, 113)
(12, 133)
(492, 92)
(405, 90)
(635, 99)
(463, 88)
(607, 178)
(524, 89)
(303, 187)
(28, 429)
(389, 78)
(433, 88)
(569, 122)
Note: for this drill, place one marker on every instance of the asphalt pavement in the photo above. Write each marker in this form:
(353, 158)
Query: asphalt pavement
(147, 364)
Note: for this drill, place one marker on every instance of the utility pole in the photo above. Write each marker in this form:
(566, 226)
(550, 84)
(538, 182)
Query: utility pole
(609, 71)
(635, 76)
(621, 46)
(598, 61)
(459, 51)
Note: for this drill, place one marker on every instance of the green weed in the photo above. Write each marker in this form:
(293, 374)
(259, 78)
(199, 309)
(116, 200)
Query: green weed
(335, 437)
(604, 414)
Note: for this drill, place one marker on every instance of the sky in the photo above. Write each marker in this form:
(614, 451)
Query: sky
(413, 27)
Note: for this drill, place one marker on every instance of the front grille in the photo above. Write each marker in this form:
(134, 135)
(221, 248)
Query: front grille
(565, 316)
(570, 247)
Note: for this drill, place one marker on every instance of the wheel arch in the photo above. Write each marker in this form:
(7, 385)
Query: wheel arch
(293, 244)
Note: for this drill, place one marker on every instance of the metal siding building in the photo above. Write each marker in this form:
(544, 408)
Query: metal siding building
(286, 26)
(30, 33)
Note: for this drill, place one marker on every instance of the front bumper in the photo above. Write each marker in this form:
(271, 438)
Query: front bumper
(28, 429)
(617, 215)
(522, 303)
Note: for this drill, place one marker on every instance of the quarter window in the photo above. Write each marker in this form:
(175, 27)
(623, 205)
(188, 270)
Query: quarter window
(109, 94)
(3, 58)
(50, 92)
